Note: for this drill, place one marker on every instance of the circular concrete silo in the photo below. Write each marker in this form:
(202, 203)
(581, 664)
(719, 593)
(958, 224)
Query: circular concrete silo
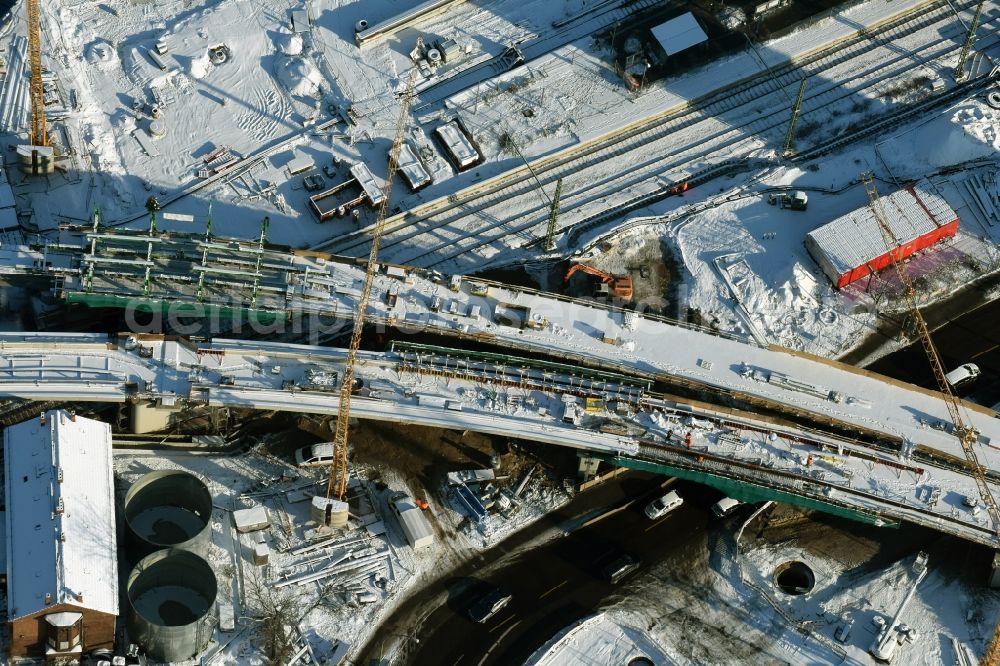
(171, 596)
(168, 509)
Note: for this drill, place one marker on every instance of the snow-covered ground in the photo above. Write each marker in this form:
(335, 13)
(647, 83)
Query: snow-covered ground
(712, 605)
(745, 265)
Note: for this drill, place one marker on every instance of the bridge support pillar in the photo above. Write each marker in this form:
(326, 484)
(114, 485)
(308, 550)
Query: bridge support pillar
(995, 571)
(329, 512)
(150, 417)
(587, 469)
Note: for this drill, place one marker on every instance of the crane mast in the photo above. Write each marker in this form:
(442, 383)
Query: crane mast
(963, 430)
(337, 486)
(38, 131)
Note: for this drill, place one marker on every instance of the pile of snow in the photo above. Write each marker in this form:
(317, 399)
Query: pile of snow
(299, 76)
(200, 66)
(289, 43)
(101, 53)
(966, 132)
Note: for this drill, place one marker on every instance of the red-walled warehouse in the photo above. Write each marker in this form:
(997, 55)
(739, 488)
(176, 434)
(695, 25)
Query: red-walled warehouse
(852, 247)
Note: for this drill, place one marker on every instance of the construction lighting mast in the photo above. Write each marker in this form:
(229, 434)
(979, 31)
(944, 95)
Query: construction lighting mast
(38, 132)
(337, 486)
(963, 430)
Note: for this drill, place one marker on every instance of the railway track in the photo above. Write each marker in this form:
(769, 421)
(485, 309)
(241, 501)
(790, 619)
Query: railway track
(658, 138)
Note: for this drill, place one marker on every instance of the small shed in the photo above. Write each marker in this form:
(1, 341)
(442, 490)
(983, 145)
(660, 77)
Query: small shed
(679, 33)
(852, 247)
(62, 562)
(251, 520)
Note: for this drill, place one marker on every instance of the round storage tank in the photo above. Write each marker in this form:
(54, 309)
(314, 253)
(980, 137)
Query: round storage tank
(171, 594)
(168, 509)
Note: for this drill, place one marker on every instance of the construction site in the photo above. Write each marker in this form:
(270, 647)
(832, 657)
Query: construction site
(500, 332)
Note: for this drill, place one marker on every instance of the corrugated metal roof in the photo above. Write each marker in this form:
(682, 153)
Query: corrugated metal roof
(459, 146)
(412, 167)
(368, 182)
(679, 33)
(40, 508)
(855, 239)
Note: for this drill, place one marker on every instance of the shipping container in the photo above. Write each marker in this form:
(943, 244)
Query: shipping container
(458, 146)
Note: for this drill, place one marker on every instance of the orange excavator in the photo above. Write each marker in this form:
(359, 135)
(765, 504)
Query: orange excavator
(619, 285)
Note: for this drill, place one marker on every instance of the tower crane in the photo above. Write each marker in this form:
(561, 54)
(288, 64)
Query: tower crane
(38, 131)
(965, 432)
(337, 486)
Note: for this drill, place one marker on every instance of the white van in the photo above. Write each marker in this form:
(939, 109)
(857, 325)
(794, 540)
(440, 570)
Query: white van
(962, 374)
(315, 455)
(661, 506)
(724, 507)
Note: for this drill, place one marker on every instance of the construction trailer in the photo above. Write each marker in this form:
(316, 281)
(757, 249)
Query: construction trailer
(458, 145)
(332, 202)
(415, 527)
(412, 169)
(852, 247)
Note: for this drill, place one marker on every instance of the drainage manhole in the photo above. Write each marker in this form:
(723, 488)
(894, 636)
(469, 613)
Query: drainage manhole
(641, 661)
(794, 578)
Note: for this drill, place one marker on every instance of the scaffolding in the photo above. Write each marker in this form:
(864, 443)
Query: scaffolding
(517, 371)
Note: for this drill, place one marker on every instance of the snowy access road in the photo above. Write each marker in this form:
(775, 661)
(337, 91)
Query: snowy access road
(692, 439)
(856, 81)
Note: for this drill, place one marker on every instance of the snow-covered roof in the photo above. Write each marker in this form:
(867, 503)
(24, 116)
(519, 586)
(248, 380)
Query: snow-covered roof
(679, 33)
(368, 182)
(60, 515)
(411, 167)
(463, 151)
(855, 239)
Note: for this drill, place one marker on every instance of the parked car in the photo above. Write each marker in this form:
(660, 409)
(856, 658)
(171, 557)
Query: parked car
(489, 605)
(620, 567)
(962, 374)
(314, 455)
(725, 506)
(661, 506)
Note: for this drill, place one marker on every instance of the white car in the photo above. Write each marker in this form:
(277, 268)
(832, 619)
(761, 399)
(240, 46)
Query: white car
(315, 455)
(661, 506)
(724, 507)
(962, 374)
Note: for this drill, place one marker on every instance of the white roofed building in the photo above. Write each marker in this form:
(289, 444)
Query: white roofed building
(62, 563)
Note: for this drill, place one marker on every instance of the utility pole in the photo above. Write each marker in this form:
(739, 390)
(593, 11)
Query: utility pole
(152, 205)
(550, 234)
(970, 37)
(260, 256)
(790, 136)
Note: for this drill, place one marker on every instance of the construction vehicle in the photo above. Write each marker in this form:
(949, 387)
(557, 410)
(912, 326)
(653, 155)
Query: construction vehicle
(961, 428)
(337, 486)
(797, 200)
(619, 286)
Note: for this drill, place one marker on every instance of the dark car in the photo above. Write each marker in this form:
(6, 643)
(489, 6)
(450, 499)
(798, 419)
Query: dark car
(489, 605)
(619, 567)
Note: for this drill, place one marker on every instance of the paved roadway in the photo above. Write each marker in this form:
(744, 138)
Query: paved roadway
(552, 586)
